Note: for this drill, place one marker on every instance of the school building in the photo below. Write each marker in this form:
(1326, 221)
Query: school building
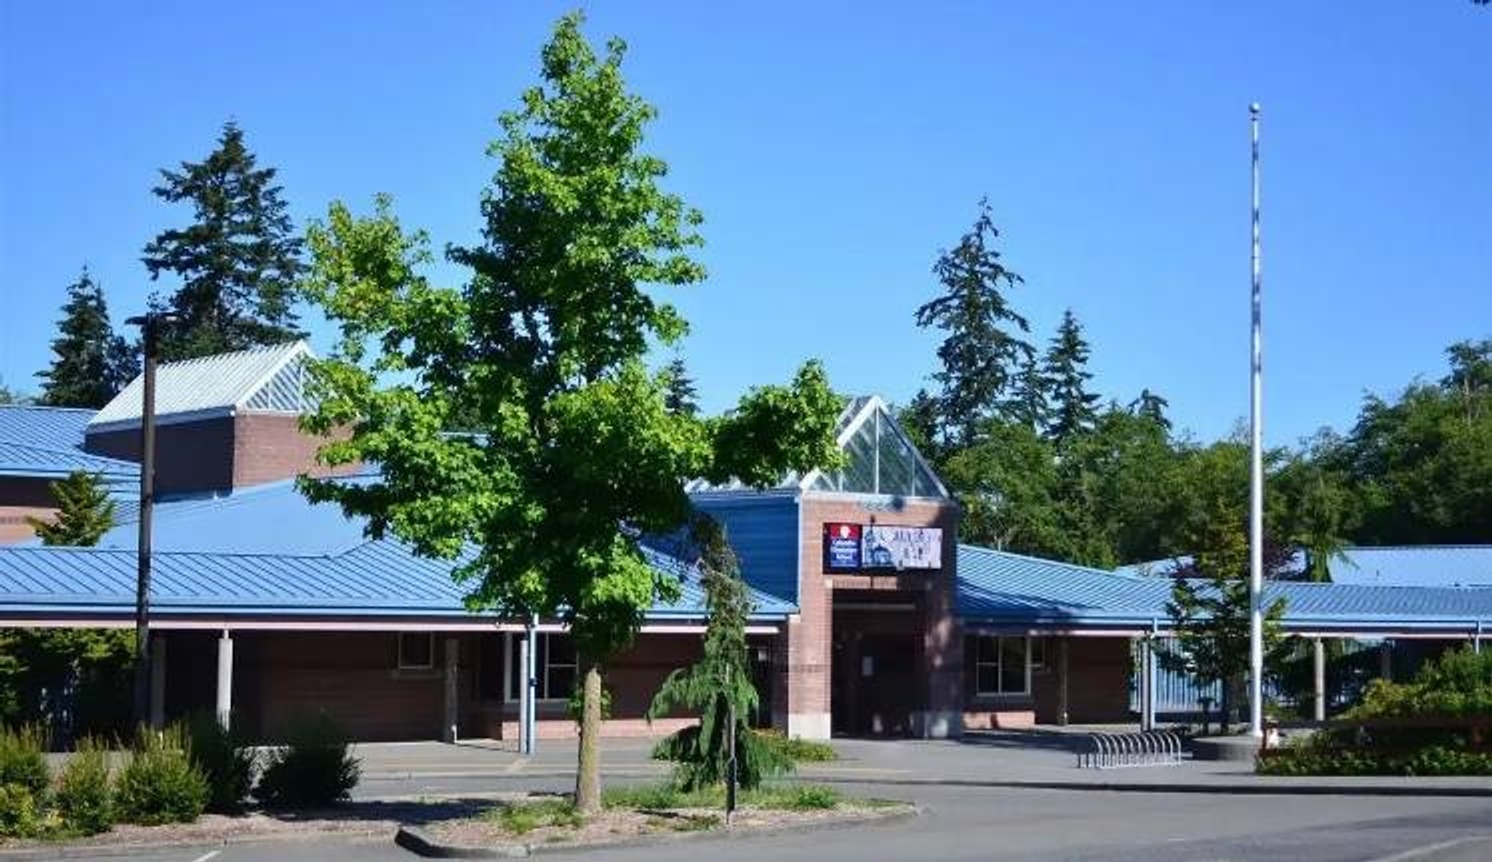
(870, 618)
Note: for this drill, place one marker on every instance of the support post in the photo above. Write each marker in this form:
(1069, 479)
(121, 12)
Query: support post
(525, 744)
(531, 685)
(452, 705)
(1386, 661)
(1318, 649)
(225, 679)
(1062, 700)
(1147, 690)
(157, 682)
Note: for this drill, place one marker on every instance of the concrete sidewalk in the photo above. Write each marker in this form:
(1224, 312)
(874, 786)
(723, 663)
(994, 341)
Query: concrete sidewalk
(1034, 760)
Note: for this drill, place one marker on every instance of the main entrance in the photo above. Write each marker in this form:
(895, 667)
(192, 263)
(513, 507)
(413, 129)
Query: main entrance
(876, 689)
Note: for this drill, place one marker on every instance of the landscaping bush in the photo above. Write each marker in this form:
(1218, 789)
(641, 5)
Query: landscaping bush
(84, 798)
(23, 760)
(796, 748)
(18, 812)
(314, 769)
(160, 784)
(222, 758)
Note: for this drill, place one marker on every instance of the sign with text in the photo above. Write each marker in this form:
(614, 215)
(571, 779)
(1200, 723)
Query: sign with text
(901, 547)
(857, 547)
(841, 547)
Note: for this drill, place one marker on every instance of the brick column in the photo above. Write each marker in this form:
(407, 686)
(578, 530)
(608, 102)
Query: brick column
(809, 660)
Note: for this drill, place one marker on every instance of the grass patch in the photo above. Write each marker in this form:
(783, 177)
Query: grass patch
(666, 797)
(521, 818)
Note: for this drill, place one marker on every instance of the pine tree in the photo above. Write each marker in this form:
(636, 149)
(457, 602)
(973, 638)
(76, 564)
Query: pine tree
(679, 394)
(983, 348)
(1151, 406)
(238, 261)
(92, 363)
(1028, 402)
(1065, 371)
(12, 396)
(84, 512)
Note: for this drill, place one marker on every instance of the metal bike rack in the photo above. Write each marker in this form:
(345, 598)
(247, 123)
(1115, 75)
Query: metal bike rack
(1120, 750)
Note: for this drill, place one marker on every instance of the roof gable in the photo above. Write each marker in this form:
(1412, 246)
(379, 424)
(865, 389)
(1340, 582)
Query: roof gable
(261, 378)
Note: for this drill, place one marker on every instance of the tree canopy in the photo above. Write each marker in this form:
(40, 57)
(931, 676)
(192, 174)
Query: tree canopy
(90, 363)
(237, 261)
(573, 456)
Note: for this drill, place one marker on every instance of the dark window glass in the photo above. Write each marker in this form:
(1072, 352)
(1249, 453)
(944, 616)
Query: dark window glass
(416, 650)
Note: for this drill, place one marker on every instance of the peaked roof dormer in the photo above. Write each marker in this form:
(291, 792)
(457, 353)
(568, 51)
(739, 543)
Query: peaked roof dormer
(260, 379)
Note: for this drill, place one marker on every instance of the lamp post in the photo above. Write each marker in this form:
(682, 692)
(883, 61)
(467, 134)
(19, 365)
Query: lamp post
(149, 324)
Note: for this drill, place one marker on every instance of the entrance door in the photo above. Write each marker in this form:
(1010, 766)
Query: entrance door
(875, 686)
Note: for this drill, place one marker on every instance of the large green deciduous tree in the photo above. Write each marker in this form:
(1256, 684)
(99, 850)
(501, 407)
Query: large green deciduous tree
(238, 260)
(984, 346)
(573, 456)
(90, 362)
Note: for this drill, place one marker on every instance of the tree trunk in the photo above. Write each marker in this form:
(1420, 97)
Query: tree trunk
(588, 774)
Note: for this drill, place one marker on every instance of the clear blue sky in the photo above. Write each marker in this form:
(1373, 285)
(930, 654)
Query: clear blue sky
(834, 149)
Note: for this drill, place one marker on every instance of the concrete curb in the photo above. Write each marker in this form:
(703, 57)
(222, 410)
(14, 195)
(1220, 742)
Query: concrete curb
(416, 841)
(69, 850)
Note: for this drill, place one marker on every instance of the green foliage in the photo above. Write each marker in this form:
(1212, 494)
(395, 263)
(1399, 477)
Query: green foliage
(679, 393)
(160, 784)
(20, 815)
(541, 354)
(23, 760)
(13, 396)
(719, 685)
(37, 663)
(1071, 408)
(84, 512)
(521, 818)
(314, 769)
(1459, 683)
(1313, 758)
(90, 362)
(797, 749)
(984, 347)
(224, 759)
(237, 261)
(84, 797)
(671, 797)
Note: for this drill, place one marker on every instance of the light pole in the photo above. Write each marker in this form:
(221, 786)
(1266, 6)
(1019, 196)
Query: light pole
(1256, 465)
(150, 340)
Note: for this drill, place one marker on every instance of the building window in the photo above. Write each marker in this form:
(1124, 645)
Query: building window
(555, 666)
(416, 650)
(1002, 665)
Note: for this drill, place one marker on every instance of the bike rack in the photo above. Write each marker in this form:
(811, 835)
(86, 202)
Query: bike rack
(1122, 750)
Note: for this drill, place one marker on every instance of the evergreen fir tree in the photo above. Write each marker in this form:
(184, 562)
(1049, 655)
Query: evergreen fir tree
(919, 419)
(91, 363)
(238, 261)
(983, 348)
(84, 512)
(1151, 406)
(12, 396)
(1065, 371)
(679, 394)
(1028, 404)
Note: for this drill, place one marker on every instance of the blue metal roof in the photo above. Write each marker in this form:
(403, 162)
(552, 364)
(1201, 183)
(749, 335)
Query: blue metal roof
(1004, 588)
(47, 443)
(1420, 565)
(762, 529)
(269, 551)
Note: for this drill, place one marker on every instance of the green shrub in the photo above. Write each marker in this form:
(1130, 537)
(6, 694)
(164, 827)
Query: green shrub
(223, 759)
(314, 769)
(796, 748)
(520, 818)
(160, 784)
(84, 798)
(18, 812)
(23, 759)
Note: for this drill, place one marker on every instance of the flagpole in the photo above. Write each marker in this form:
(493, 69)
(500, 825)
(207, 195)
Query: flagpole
(1256, 467)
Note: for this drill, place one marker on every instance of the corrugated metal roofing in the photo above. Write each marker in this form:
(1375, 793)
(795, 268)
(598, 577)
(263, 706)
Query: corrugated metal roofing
(1420, 565)
(48, 427)
(999, 587)
(205, 385)
(268, 550)
(19, 459)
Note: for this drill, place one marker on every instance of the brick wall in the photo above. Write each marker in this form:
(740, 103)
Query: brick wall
(21, 498)
(268, 447)
(810, 641)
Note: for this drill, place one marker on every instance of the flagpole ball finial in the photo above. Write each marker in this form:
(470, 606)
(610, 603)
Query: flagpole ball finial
(1254, 108)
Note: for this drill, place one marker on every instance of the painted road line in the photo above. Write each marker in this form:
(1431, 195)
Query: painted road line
(206, 856)
(1430, 850)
